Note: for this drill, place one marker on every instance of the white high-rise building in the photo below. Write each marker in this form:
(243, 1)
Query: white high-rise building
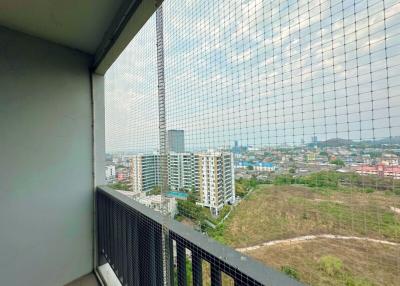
(216, 180)
(145, 172)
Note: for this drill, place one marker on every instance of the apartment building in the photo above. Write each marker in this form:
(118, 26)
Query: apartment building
(182, 171)
(210, 173)
(145, 172)
(110, 173)
(216, 180)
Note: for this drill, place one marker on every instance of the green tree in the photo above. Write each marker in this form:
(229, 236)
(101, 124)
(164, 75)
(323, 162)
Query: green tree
(120, 186)
(240, 188)
(338, 162)
(284, 180)
(155, 191)
(190, 210)
(321, 179)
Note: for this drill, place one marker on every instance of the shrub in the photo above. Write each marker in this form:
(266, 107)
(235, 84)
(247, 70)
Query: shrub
(338, 162)
(190, 210)
(120, 186)
(369, 190)
(356, 281)
(240, 189)
(331, 265)
(322, 179)
(155, 191)
(283, 180)
(290, 271)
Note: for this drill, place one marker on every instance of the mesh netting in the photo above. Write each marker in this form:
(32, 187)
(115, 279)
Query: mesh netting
(282, 132)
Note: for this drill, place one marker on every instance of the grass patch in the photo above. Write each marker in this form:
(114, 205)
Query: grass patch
(331, 265)
(325, 262)
(290, 271)
(278, 212)
(285, 211)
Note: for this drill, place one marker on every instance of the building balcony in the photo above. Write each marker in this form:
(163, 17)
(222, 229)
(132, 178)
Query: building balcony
(58, 227)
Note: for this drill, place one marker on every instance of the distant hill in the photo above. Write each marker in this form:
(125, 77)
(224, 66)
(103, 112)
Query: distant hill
(378, 143)
(334, 142)
(337, 142)
(393, 140)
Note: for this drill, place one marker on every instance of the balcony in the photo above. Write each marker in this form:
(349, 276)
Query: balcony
(266, 76)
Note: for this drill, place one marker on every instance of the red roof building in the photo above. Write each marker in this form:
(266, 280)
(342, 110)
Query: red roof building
(379, 170)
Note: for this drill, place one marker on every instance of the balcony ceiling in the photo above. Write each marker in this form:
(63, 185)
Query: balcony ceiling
(78, 24)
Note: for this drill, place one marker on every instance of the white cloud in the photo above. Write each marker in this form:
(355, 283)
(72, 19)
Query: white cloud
(234, 68)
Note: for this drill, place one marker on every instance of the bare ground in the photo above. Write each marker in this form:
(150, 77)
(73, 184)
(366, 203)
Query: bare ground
(273, 215)
(281, 212)
(369, 263)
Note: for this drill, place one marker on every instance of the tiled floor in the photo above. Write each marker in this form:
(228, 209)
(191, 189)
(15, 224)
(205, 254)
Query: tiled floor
(87, 280)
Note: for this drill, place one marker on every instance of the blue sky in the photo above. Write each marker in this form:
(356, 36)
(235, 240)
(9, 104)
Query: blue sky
(265, 73)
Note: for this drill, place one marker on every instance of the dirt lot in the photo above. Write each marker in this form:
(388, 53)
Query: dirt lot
(279, 212)
(363, 263)
(284, 212)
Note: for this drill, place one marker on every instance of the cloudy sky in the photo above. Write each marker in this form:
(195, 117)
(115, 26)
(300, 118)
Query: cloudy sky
(265, 73)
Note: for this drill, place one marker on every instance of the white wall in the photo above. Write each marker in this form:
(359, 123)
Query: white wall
(46, 166)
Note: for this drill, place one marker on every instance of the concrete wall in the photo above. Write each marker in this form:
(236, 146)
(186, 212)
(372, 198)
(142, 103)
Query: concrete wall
(46, 162)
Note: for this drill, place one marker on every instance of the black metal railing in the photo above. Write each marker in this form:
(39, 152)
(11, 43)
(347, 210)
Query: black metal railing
(129, 238)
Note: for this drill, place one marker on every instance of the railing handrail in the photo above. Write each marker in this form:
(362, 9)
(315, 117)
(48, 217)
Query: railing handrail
(245, 264)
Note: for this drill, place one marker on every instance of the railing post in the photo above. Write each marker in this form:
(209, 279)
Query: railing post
(125, 243)
(108, 229)
(129, 254)
(161, 278)
(135, 252)
(239, 282)
(181, 264)
(215, 275)
(152, 257)
(113, 236)
(197, 269)
(119, 251)
(171, 261)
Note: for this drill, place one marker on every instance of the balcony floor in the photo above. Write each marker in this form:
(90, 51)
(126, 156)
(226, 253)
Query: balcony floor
(87, 280)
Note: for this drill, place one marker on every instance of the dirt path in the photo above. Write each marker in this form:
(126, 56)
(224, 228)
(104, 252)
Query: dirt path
(300, 239)
(396, 210)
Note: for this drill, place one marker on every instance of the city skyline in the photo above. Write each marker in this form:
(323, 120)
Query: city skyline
(386, 141)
